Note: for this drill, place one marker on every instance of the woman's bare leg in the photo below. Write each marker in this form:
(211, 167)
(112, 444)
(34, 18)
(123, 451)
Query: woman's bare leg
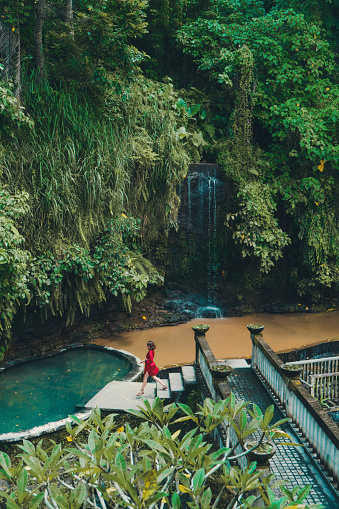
(144, 382)
(164, 386)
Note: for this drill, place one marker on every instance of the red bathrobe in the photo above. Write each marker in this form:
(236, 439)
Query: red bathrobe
(150, 366)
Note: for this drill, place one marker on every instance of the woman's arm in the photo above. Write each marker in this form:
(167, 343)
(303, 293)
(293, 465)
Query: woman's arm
(146, 359)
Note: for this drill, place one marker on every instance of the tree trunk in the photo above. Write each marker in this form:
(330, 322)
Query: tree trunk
(17, 61)
(69, 16)
(39, 18)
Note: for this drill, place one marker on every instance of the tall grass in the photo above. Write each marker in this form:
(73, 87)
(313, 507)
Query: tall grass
(84, 163)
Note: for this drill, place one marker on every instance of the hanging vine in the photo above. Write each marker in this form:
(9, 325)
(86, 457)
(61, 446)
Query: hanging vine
(240, 160)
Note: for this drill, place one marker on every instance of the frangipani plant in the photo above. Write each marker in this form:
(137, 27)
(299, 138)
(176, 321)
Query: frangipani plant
(270, 432)
(145, 467)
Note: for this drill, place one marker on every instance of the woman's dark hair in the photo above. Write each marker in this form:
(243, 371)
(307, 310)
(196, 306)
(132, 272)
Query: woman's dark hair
(151, 345)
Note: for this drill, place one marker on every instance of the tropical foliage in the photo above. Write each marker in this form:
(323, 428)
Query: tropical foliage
(278, 70)
(149, 466)
(99, 161)
(111, 100)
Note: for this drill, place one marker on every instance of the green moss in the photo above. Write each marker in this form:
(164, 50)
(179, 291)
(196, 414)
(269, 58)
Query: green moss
(222, 369)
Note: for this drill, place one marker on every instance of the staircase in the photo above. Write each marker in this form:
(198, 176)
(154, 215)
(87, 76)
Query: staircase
(176, 382)
(122, 395)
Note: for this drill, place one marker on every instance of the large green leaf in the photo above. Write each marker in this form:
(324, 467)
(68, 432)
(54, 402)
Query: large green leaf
(180, 104)
(5, 462)
(193, 110)
(175, 501)
(198, 478)
(22, 481)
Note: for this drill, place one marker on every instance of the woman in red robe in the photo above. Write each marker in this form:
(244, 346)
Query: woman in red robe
(150, 368)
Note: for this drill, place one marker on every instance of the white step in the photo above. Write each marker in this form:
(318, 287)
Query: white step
(176, 382)
(164, 394)
(188, 374)
(237, 363)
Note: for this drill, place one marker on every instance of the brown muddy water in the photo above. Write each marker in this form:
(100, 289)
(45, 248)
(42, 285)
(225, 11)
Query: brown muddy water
(229, 337)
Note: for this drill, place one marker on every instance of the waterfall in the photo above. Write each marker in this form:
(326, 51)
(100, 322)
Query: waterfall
(189, 178)
(212, 230)
(201, 193)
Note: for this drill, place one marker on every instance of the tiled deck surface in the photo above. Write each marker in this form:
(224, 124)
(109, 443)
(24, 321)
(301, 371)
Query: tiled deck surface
(293, 463)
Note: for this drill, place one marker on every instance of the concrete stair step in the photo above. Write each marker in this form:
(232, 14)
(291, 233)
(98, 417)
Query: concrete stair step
(188, 375)
(176, 382)
(161, 393)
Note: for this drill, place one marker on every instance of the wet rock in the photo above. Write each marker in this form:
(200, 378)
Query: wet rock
(210, 312)
(189, 314)
(170, 305)
(199, 299)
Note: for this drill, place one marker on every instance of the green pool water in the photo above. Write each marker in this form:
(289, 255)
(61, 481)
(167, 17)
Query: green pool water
(46, 390)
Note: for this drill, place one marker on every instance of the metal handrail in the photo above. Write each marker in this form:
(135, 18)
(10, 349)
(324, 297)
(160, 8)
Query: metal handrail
(325, 385)
(312, 367)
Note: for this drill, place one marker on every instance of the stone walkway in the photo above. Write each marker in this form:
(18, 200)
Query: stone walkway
(295, 464)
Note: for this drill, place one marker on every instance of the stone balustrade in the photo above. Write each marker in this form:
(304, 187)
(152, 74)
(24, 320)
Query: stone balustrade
(314, 423)
(204, 360)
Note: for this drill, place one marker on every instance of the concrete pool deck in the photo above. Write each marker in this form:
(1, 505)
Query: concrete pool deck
(121, 396)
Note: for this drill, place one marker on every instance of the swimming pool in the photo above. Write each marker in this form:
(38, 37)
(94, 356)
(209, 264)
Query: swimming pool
(44, 391)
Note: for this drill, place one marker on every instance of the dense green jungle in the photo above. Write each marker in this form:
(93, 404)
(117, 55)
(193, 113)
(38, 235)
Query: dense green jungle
(104, 103)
